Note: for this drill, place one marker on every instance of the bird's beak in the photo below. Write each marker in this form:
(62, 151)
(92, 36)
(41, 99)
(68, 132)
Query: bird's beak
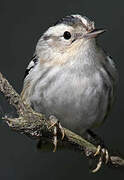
(94, 33)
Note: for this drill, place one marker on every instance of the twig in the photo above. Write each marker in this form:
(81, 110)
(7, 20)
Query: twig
(36, 125)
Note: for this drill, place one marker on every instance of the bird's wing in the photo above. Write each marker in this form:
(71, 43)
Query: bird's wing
(31, 65)
(113, 75)
(26, 85)
(112, 70)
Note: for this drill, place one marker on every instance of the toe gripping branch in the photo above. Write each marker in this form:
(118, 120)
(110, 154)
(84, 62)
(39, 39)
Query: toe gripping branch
(101, 152)
(103, 157)
(57, 127)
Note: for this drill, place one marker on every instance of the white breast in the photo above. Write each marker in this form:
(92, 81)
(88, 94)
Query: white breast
(77, 101)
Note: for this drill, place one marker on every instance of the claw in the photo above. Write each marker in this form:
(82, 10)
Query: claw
(56, 124)
(55, 138)
(97, 150)
(106, 155)
(103, 155)
(62, 130)
(52, 125)
(99, 164)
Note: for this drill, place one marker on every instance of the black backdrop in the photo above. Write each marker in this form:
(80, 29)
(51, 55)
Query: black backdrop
(21, 24)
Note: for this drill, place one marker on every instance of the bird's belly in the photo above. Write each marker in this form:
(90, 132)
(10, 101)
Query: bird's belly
(79, 105)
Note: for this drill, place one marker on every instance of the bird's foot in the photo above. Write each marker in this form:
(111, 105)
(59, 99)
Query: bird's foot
(104, 157)
(101, 151)
(57, 126)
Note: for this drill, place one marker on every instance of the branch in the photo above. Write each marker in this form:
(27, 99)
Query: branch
(37, 126)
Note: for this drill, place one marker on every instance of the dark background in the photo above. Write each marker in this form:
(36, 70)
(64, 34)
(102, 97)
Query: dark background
(21, 24)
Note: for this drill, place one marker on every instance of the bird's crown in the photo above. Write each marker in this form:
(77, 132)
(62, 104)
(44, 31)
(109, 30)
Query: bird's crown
(75, 20)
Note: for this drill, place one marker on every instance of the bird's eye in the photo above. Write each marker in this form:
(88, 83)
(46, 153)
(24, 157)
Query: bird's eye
(67, 35)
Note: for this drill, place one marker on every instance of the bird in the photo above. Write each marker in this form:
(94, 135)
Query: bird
(70, 75)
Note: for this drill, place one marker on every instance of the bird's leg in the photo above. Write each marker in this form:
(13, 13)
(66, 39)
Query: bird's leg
(100, 144)
(101, 150)
(56, 125)
(94, 138)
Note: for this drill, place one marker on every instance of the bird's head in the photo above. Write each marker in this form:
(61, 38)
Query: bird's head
(68, 34)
